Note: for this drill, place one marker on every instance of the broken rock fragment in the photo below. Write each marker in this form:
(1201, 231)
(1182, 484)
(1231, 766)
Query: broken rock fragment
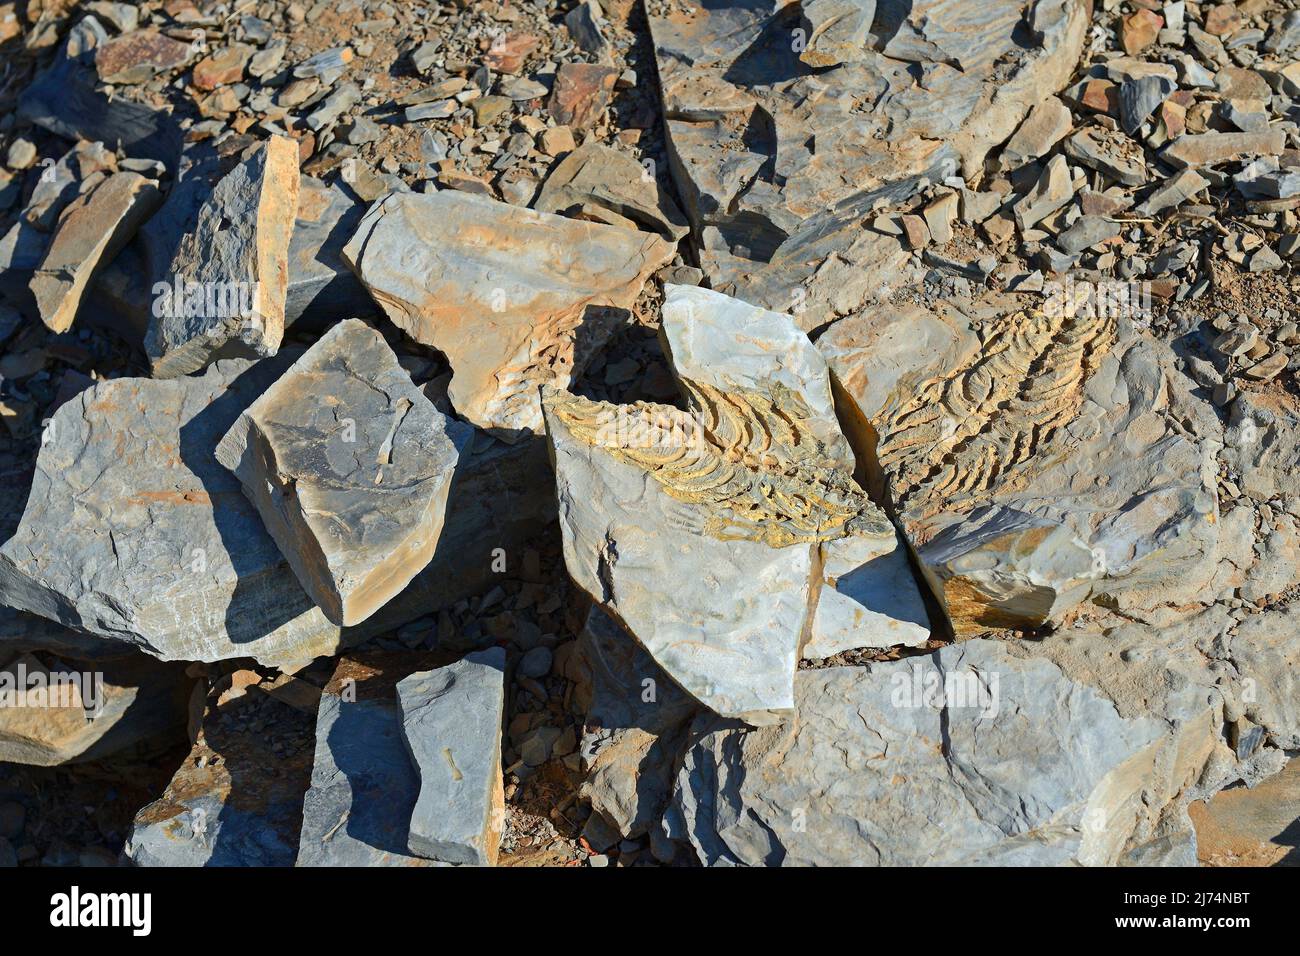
(704, 532)
(93, 229)
(349, 466)
(451, 724)
(780, 162)
(224, 296)
(513, 297)
(602, 184)
(1034, 459)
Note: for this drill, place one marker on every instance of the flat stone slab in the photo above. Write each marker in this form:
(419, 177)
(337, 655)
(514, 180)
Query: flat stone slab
(514, 298)
(960, 757)
(451, 724)
(705, 532)
(349, 466)
(92, 230)
(364, 786)
(1034, 460)
(781, 150)
(224, 296)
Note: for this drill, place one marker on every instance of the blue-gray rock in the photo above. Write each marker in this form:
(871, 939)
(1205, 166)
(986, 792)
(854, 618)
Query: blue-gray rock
(363, 784)
(451, 725)
(536, 663)
(349, 466)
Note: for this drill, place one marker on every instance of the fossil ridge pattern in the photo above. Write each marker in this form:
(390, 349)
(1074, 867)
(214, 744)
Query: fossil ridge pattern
(743, 455)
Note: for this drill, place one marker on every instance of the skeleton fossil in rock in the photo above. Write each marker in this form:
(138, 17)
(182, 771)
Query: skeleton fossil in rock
(744, 455)
(976, 427)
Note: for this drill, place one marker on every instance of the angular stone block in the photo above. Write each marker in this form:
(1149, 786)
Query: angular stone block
(349, 466)
(92, 230)
(224, 296)
(451, 724)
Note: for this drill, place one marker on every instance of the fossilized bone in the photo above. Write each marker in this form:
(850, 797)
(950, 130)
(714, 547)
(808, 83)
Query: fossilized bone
(976, 426)
(745, 456)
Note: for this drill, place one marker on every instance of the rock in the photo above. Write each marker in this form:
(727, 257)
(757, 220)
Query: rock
(915, 231)
(636, 721)
(939, 215)
(1262, 445)
(838, 31)
(322, 289)
(514, 298)
(1174, 192)
(1044, 127)
(581, 93)
(1046, 770)
(222, 67)
(225, 295)
(1020, 542)
(1266, 650)
(536, 663)
(21, 154)
(1222, 20)
(357, 811)
(451, 724)
(1212, 149)
(138, 56)
(634, 502)
(349, 466)
(1052, 191)
(557, 140)
(1268, 368)
(583, 23)
(93, 230)
(222, 807)
(1139, 98)
(1139, 30)
(1108, 152)
(487, 109)
(509, 51)
(601, 184)
(1087, 232)
(60, 711)
(773, 211)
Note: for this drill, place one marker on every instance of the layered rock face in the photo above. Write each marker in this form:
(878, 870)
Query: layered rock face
(1034, 460)
(225, 291)
(787, 129)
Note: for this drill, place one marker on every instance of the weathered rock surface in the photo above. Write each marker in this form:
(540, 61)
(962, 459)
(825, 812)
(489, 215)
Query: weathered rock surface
(1035, 460)
(968, 756)
(225, 294)
(57, 711)
(363, 784)
(184, 569)
(222, 806)
(780, 162)
(514, 298)
(600, 184)
(703, 532)
(636, 722)
(93, 229)
(451, 725)
(349, 466)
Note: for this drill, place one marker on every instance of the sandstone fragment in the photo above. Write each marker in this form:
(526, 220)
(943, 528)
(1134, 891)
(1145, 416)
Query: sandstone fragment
(601, 184)
(581, 93)
(349, 466)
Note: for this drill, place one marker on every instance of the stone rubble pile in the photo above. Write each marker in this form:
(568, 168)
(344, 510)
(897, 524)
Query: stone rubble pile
(564, 433)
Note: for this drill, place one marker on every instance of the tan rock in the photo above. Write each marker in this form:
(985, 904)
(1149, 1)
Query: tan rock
(581, 93)
(138, 56)
(514, 298)
(1139, 30)
(92, 230)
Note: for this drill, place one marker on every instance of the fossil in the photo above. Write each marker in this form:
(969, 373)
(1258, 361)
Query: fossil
(975, 428)
(746, 456)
